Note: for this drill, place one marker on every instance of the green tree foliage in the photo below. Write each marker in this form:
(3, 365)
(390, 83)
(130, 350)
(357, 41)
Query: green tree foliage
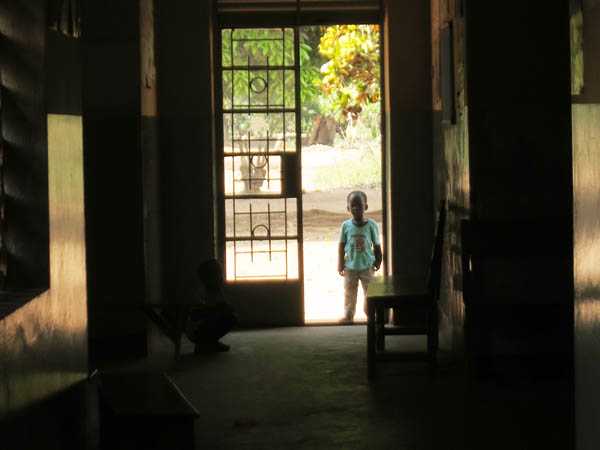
(310, 75)
(350, 77)
(258, 47)
(339, 74)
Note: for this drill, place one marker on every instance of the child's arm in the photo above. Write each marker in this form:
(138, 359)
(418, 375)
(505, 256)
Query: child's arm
(378, 256)
(341, 258)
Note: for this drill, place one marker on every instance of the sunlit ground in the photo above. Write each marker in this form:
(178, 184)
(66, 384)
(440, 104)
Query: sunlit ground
(323, 286)
(324, 212)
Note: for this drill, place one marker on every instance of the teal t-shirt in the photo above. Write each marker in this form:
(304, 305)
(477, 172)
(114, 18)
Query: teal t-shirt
(358, 244)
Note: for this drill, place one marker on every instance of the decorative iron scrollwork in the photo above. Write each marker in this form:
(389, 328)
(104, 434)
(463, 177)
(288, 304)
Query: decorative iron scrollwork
(260, 117)
(261, 226)
(258, 85)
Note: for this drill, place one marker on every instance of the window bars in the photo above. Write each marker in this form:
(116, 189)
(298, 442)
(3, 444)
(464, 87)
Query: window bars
(260, 115)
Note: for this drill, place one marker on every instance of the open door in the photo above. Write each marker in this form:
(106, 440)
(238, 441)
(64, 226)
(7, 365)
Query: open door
(260, 228)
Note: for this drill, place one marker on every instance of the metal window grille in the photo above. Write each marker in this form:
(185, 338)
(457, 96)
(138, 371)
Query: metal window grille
(260, 139)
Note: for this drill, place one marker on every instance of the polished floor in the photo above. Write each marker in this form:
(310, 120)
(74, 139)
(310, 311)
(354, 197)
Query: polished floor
(306, 388)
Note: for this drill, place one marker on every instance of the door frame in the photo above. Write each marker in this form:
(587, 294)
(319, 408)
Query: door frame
(282, 314)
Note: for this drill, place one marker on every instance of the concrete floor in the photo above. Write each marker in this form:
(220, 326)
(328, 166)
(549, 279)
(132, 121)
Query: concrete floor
(306, 388)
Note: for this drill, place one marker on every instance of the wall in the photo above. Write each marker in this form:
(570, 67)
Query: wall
(408, 153)
(113, 178)
(507, 155)
(586, 195)
(519, 113)
(43, 344)
(184, 102)
(520, 163)
(451, 168)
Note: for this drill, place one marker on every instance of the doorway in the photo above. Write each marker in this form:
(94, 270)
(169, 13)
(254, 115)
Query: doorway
(287, 138)
(341, 152)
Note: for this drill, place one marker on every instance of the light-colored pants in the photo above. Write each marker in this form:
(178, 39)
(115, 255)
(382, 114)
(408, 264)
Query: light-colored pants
(351, 278)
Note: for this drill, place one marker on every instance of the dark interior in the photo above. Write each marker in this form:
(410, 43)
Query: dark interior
(110, 196)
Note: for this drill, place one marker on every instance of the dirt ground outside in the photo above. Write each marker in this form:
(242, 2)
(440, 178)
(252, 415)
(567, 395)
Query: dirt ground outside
(324, 212)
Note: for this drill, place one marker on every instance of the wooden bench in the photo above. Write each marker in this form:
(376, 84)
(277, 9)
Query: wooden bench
(390, 292)
(144, 411)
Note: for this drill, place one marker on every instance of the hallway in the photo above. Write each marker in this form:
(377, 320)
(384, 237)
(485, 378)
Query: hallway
(113, 191)
(306, 388)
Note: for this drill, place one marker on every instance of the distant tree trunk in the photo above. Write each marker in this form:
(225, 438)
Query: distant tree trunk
(253, 171)
(323, 131)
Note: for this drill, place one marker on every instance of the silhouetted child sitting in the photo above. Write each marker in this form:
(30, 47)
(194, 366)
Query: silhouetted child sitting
(213, 318)
(359, 253)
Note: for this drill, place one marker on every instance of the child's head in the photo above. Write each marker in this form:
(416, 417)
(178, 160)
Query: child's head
(357, 204)
(210, 274)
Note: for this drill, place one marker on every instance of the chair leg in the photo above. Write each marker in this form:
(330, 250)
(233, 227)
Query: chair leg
(177, 347)
(435, 328)
(432, 340)
(180, 320)
(432, 332)
(370, 340)
(380, 323)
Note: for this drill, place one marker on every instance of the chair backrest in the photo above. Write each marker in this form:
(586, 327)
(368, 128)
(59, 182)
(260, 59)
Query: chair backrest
(434, 275)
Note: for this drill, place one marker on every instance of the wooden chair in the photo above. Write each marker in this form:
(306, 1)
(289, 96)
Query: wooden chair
(172, 318)
(389, 292)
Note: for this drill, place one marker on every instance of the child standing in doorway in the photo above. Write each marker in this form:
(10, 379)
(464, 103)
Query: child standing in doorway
(359, 253)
